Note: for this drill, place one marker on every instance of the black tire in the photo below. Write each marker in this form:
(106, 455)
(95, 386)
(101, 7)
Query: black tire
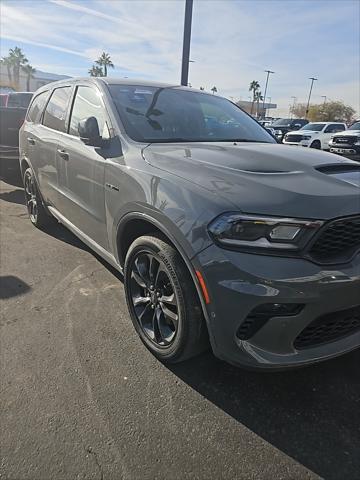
(316, 144)
(168, 339)
(37, 213)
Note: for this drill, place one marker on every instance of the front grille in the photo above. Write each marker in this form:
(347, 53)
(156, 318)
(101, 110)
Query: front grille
(329, 328)
(337, 241)
(293, 138)
(344, 140)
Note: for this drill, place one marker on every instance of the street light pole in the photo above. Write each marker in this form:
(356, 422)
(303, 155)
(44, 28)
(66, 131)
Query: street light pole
(293, 106)
(324, 97)
(308, 102)
(266, 85)
(186, 43)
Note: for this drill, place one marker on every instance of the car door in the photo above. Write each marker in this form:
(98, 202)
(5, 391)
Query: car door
(82, 167)
(328, 132)
(45, 137)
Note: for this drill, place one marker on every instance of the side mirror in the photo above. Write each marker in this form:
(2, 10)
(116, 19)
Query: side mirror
(89, 132)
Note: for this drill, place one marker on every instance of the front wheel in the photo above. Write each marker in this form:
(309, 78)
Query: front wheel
(316, 144)
(162, 300)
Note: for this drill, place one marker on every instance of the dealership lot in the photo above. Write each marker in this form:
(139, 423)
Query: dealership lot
(82, 398)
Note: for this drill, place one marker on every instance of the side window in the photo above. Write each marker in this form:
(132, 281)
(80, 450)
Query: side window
(335, 127)
(87, 104)
(55, 112)
(36, 107)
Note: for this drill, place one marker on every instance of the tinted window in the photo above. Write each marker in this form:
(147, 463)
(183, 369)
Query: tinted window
(88, 104)
(355, 126)
(314, 127)
(152, 114)
(37, 107)
(55, 112)
(19, 100)
(335, 127)
(282, 122)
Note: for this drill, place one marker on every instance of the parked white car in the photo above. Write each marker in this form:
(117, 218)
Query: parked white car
(314, 135)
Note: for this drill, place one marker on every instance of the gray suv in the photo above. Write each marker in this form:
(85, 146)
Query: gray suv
(223, 236)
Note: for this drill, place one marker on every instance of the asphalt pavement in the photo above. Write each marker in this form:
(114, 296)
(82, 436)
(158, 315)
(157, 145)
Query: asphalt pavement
(81, 397)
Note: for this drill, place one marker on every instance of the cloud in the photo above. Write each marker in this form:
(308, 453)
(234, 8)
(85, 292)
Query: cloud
(232, 42)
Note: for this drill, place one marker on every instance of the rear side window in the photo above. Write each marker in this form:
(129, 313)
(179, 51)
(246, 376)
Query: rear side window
(55, 112)
(37, 107)
(335, 127)
(87, 104)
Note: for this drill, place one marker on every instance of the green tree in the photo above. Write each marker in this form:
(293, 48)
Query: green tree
(254, 88)
(96, 71)
(258, 97)
(105, 61)
(8, 63)
(214, 89)
(29, 72)
(18, 60)
(331, 111)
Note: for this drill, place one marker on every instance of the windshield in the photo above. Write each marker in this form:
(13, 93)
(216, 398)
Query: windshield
(284, 122)
(315, 127)
(355, 126)
(152, 114)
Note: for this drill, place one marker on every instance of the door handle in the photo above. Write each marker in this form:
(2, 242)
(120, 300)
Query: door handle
(31, 141)
(63, 154)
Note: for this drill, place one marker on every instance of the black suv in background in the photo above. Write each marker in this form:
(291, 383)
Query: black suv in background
(286, 125)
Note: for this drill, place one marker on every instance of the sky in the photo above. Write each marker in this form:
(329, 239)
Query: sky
(233, 42)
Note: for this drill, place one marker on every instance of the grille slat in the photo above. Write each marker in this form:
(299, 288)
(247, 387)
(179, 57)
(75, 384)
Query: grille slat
(329, 328)
(293, 138)
(345, 140)
(337, 241)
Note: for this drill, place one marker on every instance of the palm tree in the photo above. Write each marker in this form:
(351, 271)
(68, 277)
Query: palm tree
(105, 61)
(18, 60)
(95, 71)
(214, 89)
(254, 87)
(29, 72)
(7, 61)
(258, 98)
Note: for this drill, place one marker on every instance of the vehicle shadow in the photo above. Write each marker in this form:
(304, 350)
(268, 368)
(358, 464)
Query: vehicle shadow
(311, 414)
(14, 196)
(10, 171)
(11, 286)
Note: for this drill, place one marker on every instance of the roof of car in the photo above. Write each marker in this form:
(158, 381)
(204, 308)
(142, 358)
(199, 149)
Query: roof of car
(327, 123)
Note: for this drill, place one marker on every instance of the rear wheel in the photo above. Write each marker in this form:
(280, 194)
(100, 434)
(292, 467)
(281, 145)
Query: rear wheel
(36, 210)
(162, 300)
(316, 144)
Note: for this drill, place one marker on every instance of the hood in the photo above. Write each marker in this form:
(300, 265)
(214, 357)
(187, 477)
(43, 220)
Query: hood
(302, 132)
(269, 179)
(348, 133)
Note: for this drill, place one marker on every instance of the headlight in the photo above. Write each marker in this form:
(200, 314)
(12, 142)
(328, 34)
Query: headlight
(306, 137)
(234, 230)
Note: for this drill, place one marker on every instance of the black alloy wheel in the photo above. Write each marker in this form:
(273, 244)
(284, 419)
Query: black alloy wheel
(162, 299)
(154, 298)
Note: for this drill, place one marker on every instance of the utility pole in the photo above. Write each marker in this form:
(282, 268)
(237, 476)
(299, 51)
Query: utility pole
(308, 102)
(266, 85)
(186, 43)
(293, 106)
(324, 97)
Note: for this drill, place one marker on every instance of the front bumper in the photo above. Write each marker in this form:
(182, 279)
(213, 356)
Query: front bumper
(349, 151)
(239, 282)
